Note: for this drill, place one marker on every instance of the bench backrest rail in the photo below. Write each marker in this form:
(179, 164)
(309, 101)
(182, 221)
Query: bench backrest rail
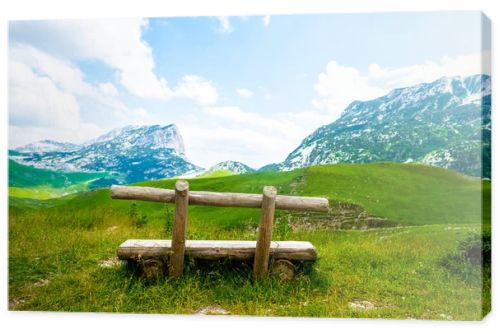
(219, 199)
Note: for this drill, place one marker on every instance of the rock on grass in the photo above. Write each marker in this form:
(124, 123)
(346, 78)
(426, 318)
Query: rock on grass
(362, 305)
(212, 310)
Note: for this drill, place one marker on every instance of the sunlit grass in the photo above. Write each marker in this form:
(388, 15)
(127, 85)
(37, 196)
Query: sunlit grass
(58, 254)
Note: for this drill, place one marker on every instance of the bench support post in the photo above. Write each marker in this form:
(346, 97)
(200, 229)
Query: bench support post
(261, 261)
(176, 265)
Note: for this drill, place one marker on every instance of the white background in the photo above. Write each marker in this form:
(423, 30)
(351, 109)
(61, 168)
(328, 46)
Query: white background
(42, 322)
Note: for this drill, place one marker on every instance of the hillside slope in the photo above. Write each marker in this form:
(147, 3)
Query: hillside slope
(405, 194)
(28, 176)
(36, 183)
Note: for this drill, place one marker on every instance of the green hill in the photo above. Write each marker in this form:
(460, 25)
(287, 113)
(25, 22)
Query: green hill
(62, 252)
(30, 182)
(404, 194)
(216, 173)
(28, 176)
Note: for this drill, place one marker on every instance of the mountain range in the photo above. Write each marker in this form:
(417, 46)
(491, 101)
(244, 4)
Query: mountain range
(445, 123)
(132, 153)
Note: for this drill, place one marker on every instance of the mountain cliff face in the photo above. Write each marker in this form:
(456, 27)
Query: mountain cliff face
(445, 123)
(133, 153)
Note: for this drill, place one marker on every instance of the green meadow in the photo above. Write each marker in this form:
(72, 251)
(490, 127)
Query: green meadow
(35, 183)
(420, 260)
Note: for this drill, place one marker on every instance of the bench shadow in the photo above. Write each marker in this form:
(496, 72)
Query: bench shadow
(228, 271)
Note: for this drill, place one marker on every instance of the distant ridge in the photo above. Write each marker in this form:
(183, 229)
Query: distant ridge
(47, 146)
(135, 153)
(234, 167)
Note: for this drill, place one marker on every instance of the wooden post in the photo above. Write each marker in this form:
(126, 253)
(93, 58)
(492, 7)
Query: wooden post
(261, 262)
(179, 229)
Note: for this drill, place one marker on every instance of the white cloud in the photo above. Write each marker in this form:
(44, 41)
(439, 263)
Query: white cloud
(22, 135)
(208, 145)
(107, 88)
(224, 24)
(287, 126)
(231, 113)
(244, 93)
(266, 20)
(117, 43)
(61, 72)
(47, 96)
(34, 99)
(197, 88)
(230, 133)
(38, 109)
(340, 85)
(391, 78)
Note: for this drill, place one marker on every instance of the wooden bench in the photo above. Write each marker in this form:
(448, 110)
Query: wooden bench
(156, 255)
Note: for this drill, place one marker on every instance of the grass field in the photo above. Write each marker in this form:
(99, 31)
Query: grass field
(35, 183)
(216, 173)
(62, 251)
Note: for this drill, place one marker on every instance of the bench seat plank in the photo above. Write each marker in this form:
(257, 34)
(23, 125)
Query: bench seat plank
(135, 249)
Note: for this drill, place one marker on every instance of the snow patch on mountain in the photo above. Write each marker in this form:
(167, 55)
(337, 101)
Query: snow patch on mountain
(48, 146)
(232, 166)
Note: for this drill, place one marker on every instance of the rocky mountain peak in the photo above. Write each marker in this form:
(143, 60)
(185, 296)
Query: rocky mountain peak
(135, 152)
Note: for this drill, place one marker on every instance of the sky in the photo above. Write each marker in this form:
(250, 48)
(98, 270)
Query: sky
(248, 89)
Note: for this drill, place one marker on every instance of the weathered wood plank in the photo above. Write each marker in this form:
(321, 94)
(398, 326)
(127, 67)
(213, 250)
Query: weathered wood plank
(176, 265)
(134, 249)
(219, 199)
(261, 260)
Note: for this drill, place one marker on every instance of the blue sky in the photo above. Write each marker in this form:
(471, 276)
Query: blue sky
(239, 88)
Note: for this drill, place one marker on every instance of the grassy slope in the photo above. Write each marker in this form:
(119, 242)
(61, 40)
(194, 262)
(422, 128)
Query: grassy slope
(413, 194)
(31, 182)
(216, 173)
(407, 194)
(396, 269)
